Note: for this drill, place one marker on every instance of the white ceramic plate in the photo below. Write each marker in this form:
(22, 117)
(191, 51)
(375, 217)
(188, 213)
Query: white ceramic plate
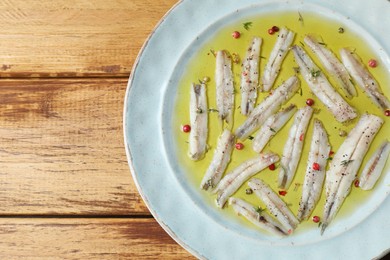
(173, 201)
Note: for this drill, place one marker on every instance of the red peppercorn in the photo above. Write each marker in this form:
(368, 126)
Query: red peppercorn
(309, 102)
(270, 31)
(282, 193)
(239, 146)
(275, 28)
(387, 112)
(316, 219)
(331, 153)
(301, 137)
(186, 128)
(316, 166)
(372, 63)
(236, 34)
(356, 183)
(272, 167)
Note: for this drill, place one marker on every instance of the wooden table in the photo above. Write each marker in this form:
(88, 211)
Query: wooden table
(66, 189)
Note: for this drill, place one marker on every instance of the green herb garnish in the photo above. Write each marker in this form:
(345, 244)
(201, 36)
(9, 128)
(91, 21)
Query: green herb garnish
(315, 73)
(346, 162)
(272, 130)
(251, 137)
(296, 69)
(247, 25)
(300, 17)
(248, 191)
(213, 110)
(317, 110)
(258, 209)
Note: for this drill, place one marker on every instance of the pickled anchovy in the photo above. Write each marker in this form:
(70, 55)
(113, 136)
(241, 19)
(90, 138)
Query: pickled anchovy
(198, 120)
(315, 171)
(271, 127)
(374, 167)
(260, 219)
(321, 87)
(220, 160)
(293, 147)
(278, 53)
(345, 164)
(333, 66)
(274, 204)
(233, 180)
(268, 107)
(224, 87)
(363, 78)
(250, 76)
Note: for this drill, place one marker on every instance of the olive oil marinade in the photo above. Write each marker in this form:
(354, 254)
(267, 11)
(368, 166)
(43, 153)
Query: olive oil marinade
(202, 67)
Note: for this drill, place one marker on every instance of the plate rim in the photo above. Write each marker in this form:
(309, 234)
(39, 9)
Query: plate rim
(129, 155)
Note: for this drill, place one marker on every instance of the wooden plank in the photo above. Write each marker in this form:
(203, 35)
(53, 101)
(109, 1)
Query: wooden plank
(87, 239)
(74, 38)
(62, 150)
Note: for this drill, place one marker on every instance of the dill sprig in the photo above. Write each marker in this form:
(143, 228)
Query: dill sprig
(213, 110)
(315, 73)
(258, 209)
(247, 25)
(346, 162)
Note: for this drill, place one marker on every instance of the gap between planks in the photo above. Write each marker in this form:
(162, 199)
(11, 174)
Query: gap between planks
(109, 238)
(62, 149)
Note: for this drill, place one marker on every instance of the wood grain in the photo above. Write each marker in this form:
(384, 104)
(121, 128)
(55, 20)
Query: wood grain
(66, 189)
(87, 239)
(74, 38)
(61, 148)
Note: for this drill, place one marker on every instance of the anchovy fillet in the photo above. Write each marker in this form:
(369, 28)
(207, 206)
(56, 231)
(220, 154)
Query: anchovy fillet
(293, 147)
(345, 164)
(224, 87)
(321, 87)
(262, 219)
(278, 53)
(314, 177)
(271, 126)
(274, 204)
(374, 167)
(250, 76)
(333, 66)
(268, 107)
(198, 120)
(220, 160)
(363, 78)
(233, 180)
